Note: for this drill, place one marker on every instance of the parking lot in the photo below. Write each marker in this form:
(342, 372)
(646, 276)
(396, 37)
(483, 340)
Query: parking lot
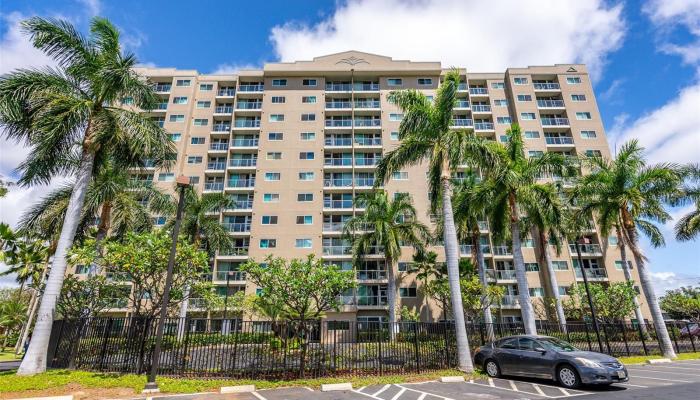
(679, 379)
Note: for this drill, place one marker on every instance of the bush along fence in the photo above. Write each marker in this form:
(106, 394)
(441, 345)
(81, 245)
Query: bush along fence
(211, 348)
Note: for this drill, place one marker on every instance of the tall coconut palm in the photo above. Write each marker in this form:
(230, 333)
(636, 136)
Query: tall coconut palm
(629, 195)
(73, 110)
(385, 225)
(511, 187)
(426, 134)
(688, 226)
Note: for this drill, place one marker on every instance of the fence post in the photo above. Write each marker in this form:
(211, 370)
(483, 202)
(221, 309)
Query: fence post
(624, 337)
(641, 337)
(692, 342)
(568, 337)
(185, 350)
(235, 342)
(588, 337)
(379, 347)
(447, 349)
(142, 347)
(415, 345)
(607, 341)
(481, 333)
(673, 333)
(105, 339)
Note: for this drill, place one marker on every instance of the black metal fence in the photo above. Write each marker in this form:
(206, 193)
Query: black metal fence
(209, 348)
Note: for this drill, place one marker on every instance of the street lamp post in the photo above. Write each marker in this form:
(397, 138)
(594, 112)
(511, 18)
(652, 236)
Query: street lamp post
(579, 242)
(151, 386)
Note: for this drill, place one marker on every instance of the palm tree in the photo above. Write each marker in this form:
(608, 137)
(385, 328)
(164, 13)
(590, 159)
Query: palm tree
(27, 263)
(629, 195)
(425, 266)
(12, 315)
(688, 226)
(387, 225)
(426, 135)
(75, 109)
(511, 188)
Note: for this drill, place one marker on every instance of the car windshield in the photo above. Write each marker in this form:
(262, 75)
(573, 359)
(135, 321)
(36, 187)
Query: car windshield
(557, 345)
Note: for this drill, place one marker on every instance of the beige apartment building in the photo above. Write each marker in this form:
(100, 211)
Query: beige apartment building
(291, 144)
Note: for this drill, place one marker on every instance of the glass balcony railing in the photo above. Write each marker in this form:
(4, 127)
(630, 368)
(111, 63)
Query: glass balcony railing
(237, 226)
(371, 300)
(223, 110)
(338, 104)
(481, 108)
(248, 105)
(550, 103)
(241, 183)
(116, 303)
(461, 122)
(242, 162)
(585, 248)
(545, 86)
(337, 161)
(505, 274)
(235, 251)
(368, 122)
(462, 86)
(367, 162)
(223, 276)
(337, 182)
(483, 126)
(221, 128)
(461, 104)
(478, 90)
(338, 122)
(228, 92)
(161, 106)
(559, 140)
(337, 250)
(502, 251)
(247, 123)
(368, 141)
(331, 141)
(333, 226)
(197, 303)
(591, 273)
(371, 275)
(240, 205)
(510, 300)
(244, 142)
(346, 87)
(546, 121)
(366, 103)
(213, 186)
(364, 182)
(216, 166)
(337, 203)
(218, 146)
(251, 88)
(159, 88)
(466, 249)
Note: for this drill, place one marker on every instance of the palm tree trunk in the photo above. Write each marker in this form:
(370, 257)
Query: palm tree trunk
(481, 268)
(391, 295)
(648, 288)
(526, 311)
(24, 332)
(464, 359)
(35, 359)
(628, 277)
(183, 312)
(553, 284)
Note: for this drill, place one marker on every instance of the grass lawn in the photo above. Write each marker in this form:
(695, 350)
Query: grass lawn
(91, 384)
(9, 355)
(643, 359)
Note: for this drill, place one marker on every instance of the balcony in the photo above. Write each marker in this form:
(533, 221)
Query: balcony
(371, 275)
(338, 104)
(372, 301)
(221, 128)
(337, 162)
(366, 103)
(162, 88)
(249, 105)
(346, 87)
(368, 141)
(586, 249)
(197, 303)
(337, 182)
(337, 204)
(365, 182)
(161, 106)
(244, 143)
(545, 86)
(338, 123)
(247, 88)
(510, 300)
(234, 252)
(116, 303)
(236, 226)
(462, 104)
(483, 126)
(221, 146)
(223, 110)
(466, 249)
(247, 123)
(367, 162)
(376, 122)
(240, 205)
(226, 92)
(333, 226)
(333, 141)
(337, 250)
(242, 162)
(592, 273)
(550, 103)
(241, 183)
(502, 251)
(223, 276)
(213, 186)
(216, 166)
(481, 108)
(465, 122)
(547, 121)
(559, 140)
(461, 87)
(503, 274)
(478, 91)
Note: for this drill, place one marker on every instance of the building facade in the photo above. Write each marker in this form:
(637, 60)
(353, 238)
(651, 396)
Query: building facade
(293, 143)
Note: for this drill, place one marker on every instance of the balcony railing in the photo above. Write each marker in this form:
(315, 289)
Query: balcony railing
(248, 106)
(554, 121)
(241, 183)
(242, 162)
(559, 140)
(364, 182)
(161, 106)
(466, 249)
(510, 300)
(483, 126)
(461, 122)
(216, 166)
(591, 273)
(504, 274)
(502, 251)
(337, 161)
(371, 274)
(226, 92)
(247, 123)
(337, 250)
(116, 303)
(550, 103)
(197, 303)
(368, 141)
(585, 248)
(221, 128)
(333, 226)
(237, 226)
(366, 103)
(240, 205)
(337, 182)
(162, 88)
(481, 108)
(367, 162)
(213, 186)
(338, 104)
(244, 142)
(546, 86)
(218, 146)
(251, 88)
(346, 87)
(462, 86)
(230, 275)
(368, 122)
(235, 251)
(223, 110)
(371, 300)
(338, 122)
(331, 141)
(483, 225)
(478, 90)
(337, 203)
(461, 104)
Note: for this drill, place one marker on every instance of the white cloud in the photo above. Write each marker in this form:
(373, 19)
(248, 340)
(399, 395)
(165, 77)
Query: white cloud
(232, 69)
(664, 281)
(613, 91)
(478, 35)
(16, 50)
(92, 7)
(669, 14)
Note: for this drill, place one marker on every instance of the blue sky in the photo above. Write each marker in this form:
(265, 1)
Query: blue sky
(644, 55)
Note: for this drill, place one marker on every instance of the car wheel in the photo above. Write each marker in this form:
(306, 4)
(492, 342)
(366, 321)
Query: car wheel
(492, 369)
(568, 377)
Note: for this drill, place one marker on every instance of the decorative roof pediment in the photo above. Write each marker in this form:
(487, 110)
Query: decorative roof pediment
(355, 60)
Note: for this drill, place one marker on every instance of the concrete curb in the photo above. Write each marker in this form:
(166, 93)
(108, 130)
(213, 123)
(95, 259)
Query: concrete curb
(451, 379)
(331, 387)
(237, 389)
(149, 391)
(67, 397)
(659, 361)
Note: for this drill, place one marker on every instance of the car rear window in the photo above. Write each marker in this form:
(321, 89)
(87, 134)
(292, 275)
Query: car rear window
(508, 344)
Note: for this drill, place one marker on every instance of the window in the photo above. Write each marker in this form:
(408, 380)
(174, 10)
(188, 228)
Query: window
(394, 136)
(497, 85)
(303, 243)
(528, 243)
(618, 265)
(203, 104)
(588, 134)
(175, 137)
(305, 219)
(535, 153)
(268, 243)
(578, 97)
(276, 117)
(399, 175)
(177, 118)
(306, 155)
(268, 220)
(509, 344)
(272, 176)
(271, 197)
(394, 82)
(395, 117)
(532, 135)
(179, 100)
(194, 160)
(305, 197)
(307, 136)
(429, 98)
(524, 97)
(593, 153)
(338, 325)
(425, 81)
(537, 292)
(527, 116)
(408, 292)
(503, 120)
(308, 99)
(309, 82)
(500, 103)
(274, 155)
(612, 240)
(504, 138)
(183, 82)
(560, 265)
(197, 140)
(308, 117)
(583, 116)
(573, 80)
(306, 176)
(532, 267)
(159, 220)
(275, 136)
(200, 122)
(520, 81)
(206, 87)
(82, 269)
(166, 177)
(278, 99)
(127, 101)
(564, 290)
(194, 180)
(403, 266)
(279, 82)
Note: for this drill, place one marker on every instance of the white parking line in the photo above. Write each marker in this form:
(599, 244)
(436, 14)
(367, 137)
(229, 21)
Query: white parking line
(639, 386)
(491, 383)
(424, 393)
(662, 367)
(661, 379)
(381, 390)
(661, 371)
(539, 391)
(258, 395)
(368, 395)
(566, 394)
(397, 395)
(564, 391)
(422, 396)
(512, 385)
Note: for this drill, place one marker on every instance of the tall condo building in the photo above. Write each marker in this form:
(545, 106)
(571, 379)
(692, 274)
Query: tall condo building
(293, 143)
